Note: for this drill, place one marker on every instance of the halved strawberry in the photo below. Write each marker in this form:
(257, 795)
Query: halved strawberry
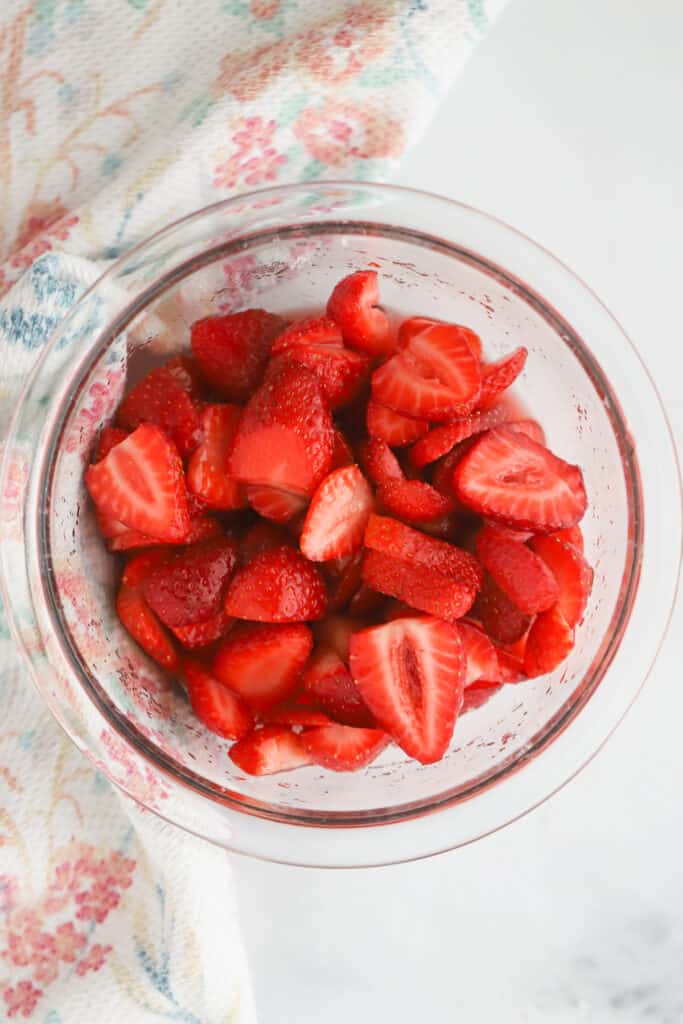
(413, 501)
(201, 634)
(343, 576)
(108, 439)
(232, 350)
(161, 398)
(277, 586)
(317, 330)
(440, 440)
(378, 461)
(444, 469)
(511, 668)
(572, 535)
(341, 748)
(201, 528)
(416, 324)
(342, 454)
(497, 377)
(261, 537)
(337, 516)
(137, 617)
(400, 541)
(220, 710)
(502, 620)
(274, 748)
(393, 427)
(573, 574)
(513, 480)
(518, 571)
(341, 372)
(353, 305)
(285, 438)
(433, 377)
(274, 503)
(206, 471)
(295, 714)
(411, 674)
(263, 662)
(418, 585)
(480, 655)
(549, 642)
(478, 694)
(189, 587)
(529, 427)
(141, 484)
(328, 682)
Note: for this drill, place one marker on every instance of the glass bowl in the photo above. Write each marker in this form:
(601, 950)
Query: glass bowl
(284, 248)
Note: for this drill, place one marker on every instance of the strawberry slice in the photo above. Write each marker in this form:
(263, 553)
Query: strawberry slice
(136, 615)
(201, 528)
(201, 634)
(341, 748)
(220, 710)
(327, 681)
(341, 372)
(108, 439)
(402, 542)
(502, 620)
(342, 454)
(277, 586)
(416, 324)
(285, 438)
(140, 483)
(433, 377)
(393, 427)
(480, 655)
(444, 469)
(353, 305)
(319, 330)
(519, 572)
(511, 668)
(531, 428)
(419, 586)
(478, 694)
(411, 674)
(497, 377)
(337, 516)
(262, 663)
(189, 587)
(511, 479)
(549, 642)
(343, 575)
(274, 748)
(161, 398)
(379, 462)
(206, 472)
(275, 504)
(413, 501)
(261, 537)
(293, 714)
(232, 350)
(440, 440)
(572, 572)
(572, 535)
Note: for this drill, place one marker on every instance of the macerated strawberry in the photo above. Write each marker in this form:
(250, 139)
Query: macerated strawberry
(274, 748)
(161, 398)
(317, 330)
(418, 585)
(337, 516)
(443, 470)
(393, 427)
(573, 574)
(478, 694)
(232, 350)
(378, 461)
(497, 377)
(531, 428)
(413, 501)
(218, 708)
(140, 483)
(340, 371)
(549, 642)
(341, 748)
(296, 714)
(517, 570)
(480, 655)
(206, 472)
(263, 662)
(136, 615)
(411, 674)
(327, 680)
(416, 324)
(201, 634)
(277, 586)
(274, 503)
(262, 537)
(502, 620)
(108, 439)
(511, 479)
(189, 587)
(510, 668)
(202, 527)
(572, 535)
(353, 305)
(440, 440)
(393, 538)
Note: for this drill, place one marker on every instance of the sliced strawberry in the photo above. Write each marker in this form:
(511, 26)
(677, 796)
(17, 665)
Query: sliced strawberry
(136, 615)
(354, 306)
(433, 377)
(550, 641)
(393, 427)
(342, 454)
(140, 566)
(275, 504)
(531, 428)
(502, 620)
(337, 516)
(161, 398)
(220, 710)
(294, 714)
(261, 537)
(413, 501)
(480, 655)
(262, 663)
(341, 372)
(201, 528)
(573, 574)
(418, 585)
(190, 586)
(342, 748)
(108, 439)
(520, 536)
(232, 350)
(320, 330)
(277, 586)
(478, 694)
(518, 571)
(511, 669)
(285, 438)
(343, 576)
(141, 484)
(206, 472)
(328, 682)
(513, 480)
(416, 324)
(497, 377)
(446, 527)
(378, 461)
(201, 634)
(399, 541)
(572, 535)
(444, 469)
(440, 440)
(274, 748)
(411, 674)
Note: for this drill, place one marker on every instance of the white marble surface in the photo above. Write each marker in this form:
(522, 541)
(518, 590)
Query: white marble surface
(567, 124)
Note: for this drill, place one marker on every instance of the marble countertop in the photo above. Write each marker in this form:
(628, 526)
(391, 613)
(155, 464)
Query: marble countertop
(566, 123)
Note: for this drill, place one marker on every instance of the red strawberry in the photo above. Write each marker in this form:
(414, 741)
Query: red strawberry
(293, 714)
(206, 471)
(513, 480)
(141, 484)
(419, 586)
(393, 427)
(354, 306)
(510, 668)
(201, 634)
(220, 710)
(232, 350)
(136, 615)
(411, 674)
(274, 503)
(572, 535)
(531, 428)
(262, 663)
(341, 372)
(328, 682)
(274, 748)
(440, 440)
(162, 399)
(413, 501)
(343, 576)
(550, 641)
(444, 469)
(502, 620)
(573, 574)
(286, 436)
(378, 461)
(519, 573)
(108, 439)
(417, 324)
(341, 452)
(497, 377)
(399, 541)
(190, 586)
(320, 330)
(261, 537)
(335, 632)
(478, 694)
(342, 748)
(201, 528)
(337, 516)
(277, 586)
(480, 655)
(433, 377)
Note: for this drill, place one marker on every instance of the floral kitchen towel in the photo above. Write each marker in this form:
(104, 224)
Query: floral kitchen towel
(117, 117)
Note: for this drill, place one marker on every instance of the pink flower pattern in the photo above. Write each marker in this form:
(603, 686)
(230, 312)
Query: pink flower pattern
(255, 159)
(44, 223)
(21, 998)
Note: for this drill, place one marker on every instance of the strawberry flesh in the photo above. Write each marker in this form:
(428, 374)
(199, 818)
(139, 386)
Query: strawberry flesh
(519, 572)
(393, 427)
(272, 749)
(263, 662)
(353, 305)
(341, 748)
(232, 350)
(572, 572)
(190, 586)
(279, 585)
(337, 516)
(327, 681)
(207, 476)
(220, 710)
